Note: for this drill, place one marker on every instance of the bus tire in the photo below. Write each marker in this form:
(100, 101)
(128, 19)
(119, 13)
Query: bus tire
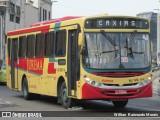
(26, 94)
(120, 104)
(66, 102)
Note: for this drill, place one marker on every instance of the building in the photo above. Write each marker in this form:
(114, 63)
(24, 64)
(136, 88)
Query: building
(155, 33)
(17, 14)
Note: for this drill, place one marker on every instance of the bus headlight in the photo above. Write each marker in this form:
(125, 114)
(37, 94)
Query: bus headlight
(150, 78)
(91, 82)
(144, 83)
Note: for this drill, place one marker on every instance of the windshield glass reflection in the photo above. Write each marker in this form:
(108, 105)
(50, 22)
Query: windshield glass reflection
(116, 50)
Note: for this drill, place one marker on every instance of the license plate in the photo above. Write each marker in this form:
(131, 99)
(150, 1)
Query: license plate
(120, 92)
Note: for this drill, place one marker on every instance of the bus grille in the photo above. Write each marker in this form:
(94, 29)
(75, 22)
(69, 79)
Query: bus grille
(128, 93)
(121, 74)
(130, 84)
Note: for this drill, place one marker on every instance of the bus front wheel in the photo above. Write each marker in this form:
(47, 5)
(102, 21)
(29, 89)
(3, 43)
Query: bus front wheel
(120, 104)
(66, 101)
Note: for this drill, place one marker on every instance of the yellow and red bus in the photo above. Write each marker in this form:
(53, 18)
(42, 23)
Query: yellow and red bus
(82, 58)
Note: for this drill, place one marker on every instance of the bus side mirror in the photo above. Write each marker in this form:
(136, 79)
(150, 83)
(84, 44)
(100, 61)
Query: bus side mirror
(151, 46)
(80, 39)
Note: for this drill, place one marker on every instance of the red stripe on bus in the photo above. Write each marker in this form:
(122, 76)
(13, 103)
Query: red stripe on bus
(22, 63)
(33, 65)
(55, 20)
(43, 29)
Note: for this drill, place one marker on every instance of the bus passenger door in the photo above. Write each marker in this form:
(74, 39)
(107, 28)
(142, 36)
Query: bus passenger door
(14, 72)
(72, 64)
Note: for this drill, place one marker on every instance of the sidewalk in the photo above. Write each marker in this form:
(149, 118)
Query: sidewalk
(156, 79)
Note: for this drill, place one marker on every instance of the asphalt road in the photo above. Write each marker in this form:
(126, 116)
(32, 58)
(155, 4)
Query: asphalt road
(13, 101)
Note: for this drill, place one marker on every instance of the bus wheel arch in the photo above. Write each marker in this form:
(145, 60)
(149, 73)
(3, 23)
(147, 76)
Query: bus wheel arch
(26, 94)
(22, 80)
(62, 94)
(59, 83)
(25, 89)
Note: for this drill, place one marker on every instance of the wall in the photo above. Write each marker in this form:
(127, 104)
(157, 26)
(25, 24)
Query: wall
(29, 18)
(28, 15)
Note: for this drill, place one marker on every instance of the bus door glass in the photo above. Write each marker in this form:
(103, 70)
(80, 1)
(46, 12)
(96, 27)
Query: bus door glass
(14, 71)
(73, 69)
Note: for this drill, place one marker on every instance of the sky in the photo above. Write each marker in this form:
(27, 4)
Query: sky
(63, 8)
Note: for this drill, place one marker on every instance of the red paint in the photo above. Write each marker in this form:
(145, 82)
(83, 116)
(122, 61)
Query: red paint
(15, 63)
(105, 80)
(9, 61)
(51, 69)
(43, 29)
(22, 63)
(90, 92)
(55, 20)
(35, 65)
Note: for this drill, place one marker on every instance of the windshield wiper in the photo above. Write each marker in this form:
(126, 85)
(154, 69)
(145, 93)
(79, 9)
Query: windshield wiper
(109, 39)
(129, 43)
(108, 51)
(138, 52)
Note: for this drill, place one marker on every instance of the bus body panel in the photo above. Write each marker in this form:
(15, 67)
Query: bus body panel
(108, 94)
(44, 73)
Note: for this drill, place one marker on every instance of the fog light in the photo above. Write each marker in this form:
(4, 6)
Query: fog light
(138, 91)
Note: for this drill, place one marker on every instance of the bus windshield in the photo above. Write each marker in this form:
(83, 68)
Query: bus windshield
(116, 50)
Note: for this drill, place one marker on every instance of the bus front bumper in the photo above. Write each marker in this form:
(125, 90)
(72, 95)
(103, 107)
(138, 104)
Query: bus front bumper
(90, 92)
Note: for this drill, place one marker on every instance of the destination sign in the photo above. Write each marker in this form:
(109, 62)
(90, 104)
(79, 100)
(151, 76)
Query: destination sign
(120, 23)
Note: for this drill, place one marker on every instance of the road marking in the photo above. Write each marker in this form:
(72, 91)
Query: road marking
(5, 102)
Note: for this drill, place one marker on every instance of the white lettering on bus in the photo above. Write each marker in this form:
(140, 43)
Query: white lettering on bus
(120, 23)
(133, 23)
(114, 23)
(100, 23)
(125, 23)
(107, 23)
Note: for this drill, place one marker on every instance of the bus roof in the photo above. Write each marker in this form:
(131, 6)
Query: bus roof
(55, 20)
(41, 26)
(45, 25)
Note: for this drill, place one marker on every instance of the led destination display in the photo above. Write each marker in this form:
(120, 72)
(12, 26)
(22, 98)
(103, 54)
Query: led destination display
(120, 23)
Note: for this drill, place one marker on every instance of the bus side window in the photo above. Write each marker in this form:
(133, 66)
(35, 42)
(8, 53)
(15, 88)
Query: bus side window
(40, 44)
(60, 44)
(49, 44)
(30, 46)
(22, 47)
